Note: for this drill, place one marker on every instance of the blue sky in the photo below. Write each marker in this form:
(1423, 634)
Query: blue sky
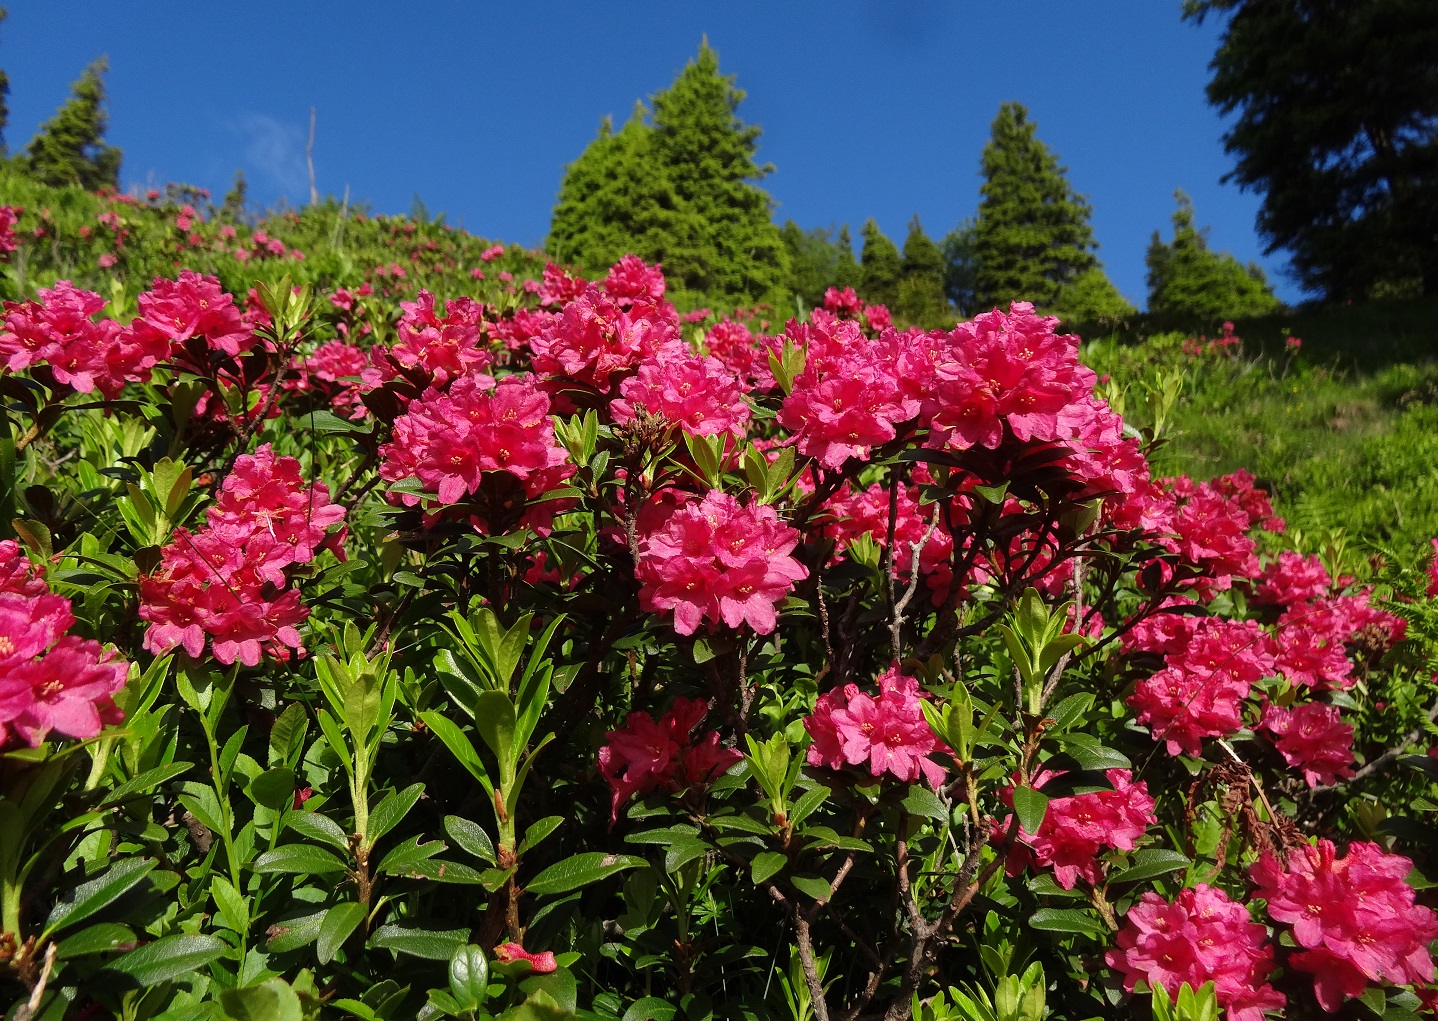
(876, 108)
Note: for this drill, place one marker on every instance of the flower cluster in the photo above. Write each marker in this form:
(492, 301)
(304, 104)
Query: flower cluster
(192, 306)
(1200, 690)
(434, 348)
(1077, 829)
(596, 338)
(59, 330)
(1202, 936)
(228, 580)
(1355, 917)
(1312, 737)
(8, 217)
(645, 755)
(481, 439)
(1292, 578)
(50, 681)
(700, 395)
(717, 560)
(888, 734)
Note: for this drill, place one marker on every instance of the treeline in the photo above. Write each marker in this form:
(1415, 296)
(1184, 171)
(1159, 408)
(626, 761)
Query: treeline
(678, 184)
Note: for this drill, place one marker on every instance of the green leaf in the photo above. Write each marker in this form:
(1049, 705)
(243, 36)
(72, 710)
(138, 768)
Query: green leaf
(681, 852)
(469, 976)
(1031, 805)
(813, 887)
(495, 719)
(651, 1008)
(580, 870)
(766, 865)
(538, 831)
(170, 957)
(273, 789)
(470, 837)
(273, 1000)
(293, 933)
(319, 827)
(300, 859)
(431, 944)
(97, 939)
(88, 898)
(1070, 709)
(391, 810)
(401, 857)
(145, 781)
(287, 734)
(339, 922)
(1090, 753)
(807, 803)
(233, 910)
(922, 801)
(1151, 862)
(1068, 920)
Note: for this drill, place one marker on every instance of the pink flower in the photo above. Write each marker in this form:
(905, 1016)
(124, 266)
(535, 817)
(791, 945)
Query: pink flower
(846, 406)
(699, 395)
(716, 560)
(1433, 571)
(632, 280)
(845, 304)
(888, 734)
(541, 963)
(1312, 737)
(1202, 936)
(645, 755)
(189, 306)
(594, 338)
(8, 243)
(1077, 829)
(491, 253)
(1355, 916)
(435, 348)
(1292, 578)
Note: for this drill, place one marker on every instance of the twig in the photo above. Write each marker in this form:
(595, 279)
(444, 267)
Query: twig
(1387, 758)
(31, 1006)
(896, 626)
(310, 160)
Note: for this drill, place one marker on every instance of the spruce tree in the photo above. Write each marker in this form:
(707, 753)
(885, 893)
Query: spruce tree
(921, 298)
(1188, 281)
(961, 267)
(849, 273)
(4, 96)
(70, 148)
(679, 192)
(880, 267)
(1092, 298)
(1033, 234)
(813, 262)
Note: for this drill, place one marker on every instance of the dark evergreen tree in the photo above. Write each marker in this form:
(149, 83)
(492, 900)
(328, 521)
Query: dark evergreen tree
(4, 96)
(1033, 234)
(816, 262)
(1336, 126)
(920, 298)
(961, 266)
(1186, 280)
(234, 202)
(1091, 297)
(70, 147)
(880, 267)
(849, 274)
(680, 192)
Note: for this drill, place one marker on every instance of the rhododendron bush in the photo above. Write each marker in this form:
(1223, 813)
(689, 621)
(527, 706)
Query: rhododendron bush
(532, 650)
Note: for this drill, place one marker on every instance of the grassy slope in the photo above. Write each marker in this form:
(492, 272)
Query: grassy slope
(1345, 433)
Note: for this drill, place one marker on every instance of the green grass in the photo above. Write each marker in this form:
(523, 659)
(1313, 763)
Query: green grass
(1344, 434)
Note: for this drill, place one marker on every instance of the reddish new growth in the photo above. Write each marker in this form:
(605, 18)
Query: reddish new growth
(888, 734)
(645, 755)
(49, 680)
(1077, 829)
(1355, 917)
(541, 963)
(1203, 936)
(481, 439)
(228, 580)
(716, 560)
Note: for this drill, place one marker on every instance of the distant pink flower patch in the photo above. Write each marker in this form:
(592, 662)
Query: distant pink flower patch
(491, 253)
(1433, 571)
(8, 217)
(888, 734)
(1356, 917)
(716, 560)
(1202, 936)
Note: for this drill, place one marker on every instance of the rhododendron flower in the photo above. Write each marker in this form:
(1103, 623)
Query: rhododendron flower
(845, 304)
(1312, 737)
(438, 348)
(1077, 829)
(481, 439)
(8, 216)
(593, 338)
(541, 963)
(226, 581)
(1433, 571)
(1355, 917)
(717, 560)
(1202, 936)
(645, 755)
(49, 680)
(632, 280)
(888, 734)
(1292, 578)
(193, 305)
(848, 409)
(699, 395)
(1200, 690)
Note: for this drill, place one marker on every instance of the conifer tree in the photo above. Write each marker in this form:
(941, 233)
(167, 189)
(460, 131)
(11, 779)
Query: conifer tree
(1033, 234)
(1186, 280)
(920, 298)
(4, 95)
(961, 267)
(849, 273)
(70, 147)
(814, 262)
(234, 202)
(880, 267)
(679, 192)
